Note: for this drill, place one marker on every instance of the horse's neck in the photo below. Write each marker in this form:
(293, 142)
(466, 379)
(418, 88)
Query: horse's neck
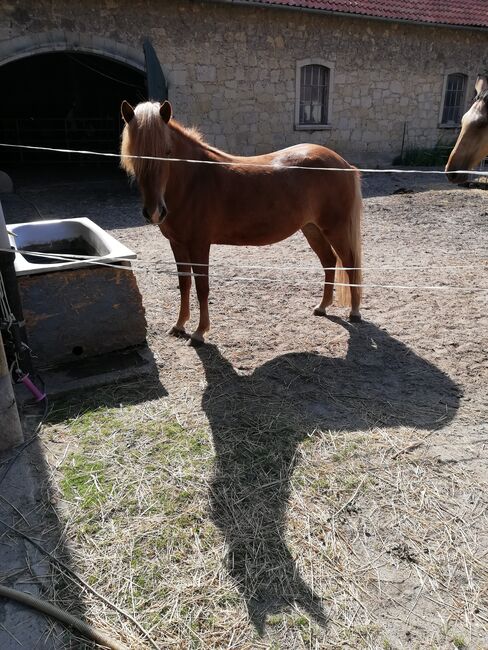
(187, 147)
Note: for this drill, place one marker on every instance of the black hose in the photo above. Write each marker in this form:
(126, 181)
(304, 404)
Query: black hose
(51, 610)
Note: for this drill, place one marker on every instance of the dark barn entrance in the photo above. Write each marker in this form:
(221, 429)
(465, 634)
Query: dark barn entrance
(66, 100)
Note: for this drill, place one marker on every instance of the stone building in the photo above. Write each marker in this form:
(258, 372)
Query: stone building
(253, 75)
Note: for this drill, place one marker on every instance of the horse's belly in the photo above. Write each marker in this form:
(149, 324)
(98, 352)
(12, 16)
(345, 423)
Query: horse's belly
(251, 232)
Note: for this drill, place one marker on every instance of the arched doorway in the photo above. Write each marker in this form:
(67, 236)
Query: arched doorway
(65, 99)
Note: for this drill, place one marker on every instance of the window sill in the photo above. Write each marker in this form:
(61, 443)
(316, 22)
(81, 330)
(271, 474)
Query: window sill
(313, 127)
(448, 126)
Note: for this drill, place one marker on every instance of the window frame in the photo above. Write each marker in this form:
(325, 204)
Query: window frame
(464, 105)
(313, 127)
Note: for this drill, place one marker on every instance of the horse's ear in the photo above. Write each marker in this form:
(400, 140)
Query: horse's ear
(127, 111)
(481, 83)
(166, 111)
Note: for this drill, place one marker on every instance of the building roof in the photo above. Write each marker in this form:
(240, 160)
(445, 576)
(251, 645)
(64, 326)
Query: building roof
(457, 13)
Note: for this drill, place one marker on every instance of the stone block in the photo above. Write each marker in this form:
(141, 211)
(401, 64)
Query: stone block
(205, 72)
(81, 313)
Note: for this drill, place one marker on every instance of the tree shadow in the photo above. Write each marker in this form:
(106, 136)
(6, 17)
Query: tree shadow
(32, 543)
(258, 422)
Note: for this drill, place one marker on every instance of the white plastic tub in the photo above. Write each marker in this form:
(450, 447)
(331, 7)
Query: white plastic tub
(79, 237)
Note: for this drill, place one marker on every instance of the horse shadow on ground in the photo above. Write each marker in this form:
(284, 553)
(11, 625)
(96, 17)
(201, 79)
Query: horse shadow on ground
(258, 422)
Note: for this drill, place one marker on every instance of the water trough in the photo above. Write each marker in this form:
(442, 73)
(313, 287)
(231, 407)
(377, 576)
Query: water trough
(76, 308)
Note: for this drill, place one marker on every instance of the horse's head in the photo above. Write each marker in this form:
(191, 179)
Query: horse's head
(146, 134)
(472, 144)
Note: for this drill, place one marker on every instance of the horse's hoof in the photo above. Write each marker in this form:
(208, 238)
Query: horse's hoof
(319, 311)
(355, 318)
(195, 342)
(178, 333)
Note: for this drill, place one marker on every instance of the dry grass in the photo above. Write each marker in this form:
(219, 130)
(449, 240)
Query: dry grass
(318, 533)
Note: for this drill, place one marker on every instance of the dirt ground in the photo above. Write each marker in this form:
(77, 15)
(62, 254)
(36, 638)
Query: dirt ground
(347, 481)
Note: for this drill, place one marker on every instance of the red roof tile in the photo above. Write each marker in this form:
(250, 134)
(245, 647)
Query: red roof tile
(472, 13)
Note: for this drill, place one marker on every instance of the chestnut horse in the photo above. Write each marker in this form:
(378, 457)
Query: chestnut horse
(472, 144)
(247, 201)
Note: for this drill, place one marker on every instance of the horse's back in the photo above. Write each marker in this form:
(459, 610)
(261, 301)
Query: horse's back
(300, 155)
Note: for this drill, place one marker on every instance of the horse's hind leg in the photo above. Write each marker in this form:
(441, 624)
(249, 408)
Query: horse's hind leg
(182, 258)
(349, 260)
(327, 257)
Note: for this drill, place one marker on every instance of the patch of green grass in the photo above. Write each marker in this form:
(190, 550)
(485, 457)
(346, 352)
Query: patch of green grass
(85, 481)
(274, 619)
(425, 157)
(345, 452)
(459, 642)
(123, 465)
(301, 621)
(321, 484)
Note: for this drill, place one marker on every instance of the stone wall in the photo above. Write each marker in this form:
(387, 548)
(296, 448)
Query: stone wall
(231, 69)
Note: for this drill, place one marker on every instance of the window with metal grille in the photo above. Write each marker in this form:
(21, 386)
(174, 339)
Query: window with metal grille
(314, 94)
(454, 99)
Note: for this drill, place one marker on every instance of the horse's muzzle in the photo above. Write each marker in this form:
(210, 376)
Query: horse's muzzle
(163, 211)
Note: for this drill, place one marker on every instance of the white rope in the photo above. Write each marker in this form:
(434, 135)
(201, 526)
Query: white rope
(244, 164)
(68, 260)
(75, 259)
(318, 269)
(237, 278)
(337, 284)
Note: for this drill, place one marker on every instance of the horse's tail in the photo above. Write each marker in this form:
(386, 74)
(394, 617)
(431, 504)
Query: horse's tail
(355, 276)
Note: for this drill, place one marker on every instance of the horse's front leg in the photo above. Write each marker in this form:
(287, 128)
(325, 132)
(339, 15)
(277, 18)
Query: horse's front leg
(200, 260)
(182, 258)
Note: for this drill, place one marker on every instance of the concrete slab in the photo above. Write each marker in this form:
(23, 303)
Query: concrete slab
(102, 370)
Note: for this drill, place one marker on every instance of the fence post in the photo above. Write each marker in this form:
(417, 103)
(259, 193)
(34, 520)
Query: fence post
(10, 427)
(18, 335)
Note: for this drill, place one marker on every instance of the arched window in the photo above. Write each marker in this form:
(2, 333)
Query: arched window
(313, 94)
(454, 99)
